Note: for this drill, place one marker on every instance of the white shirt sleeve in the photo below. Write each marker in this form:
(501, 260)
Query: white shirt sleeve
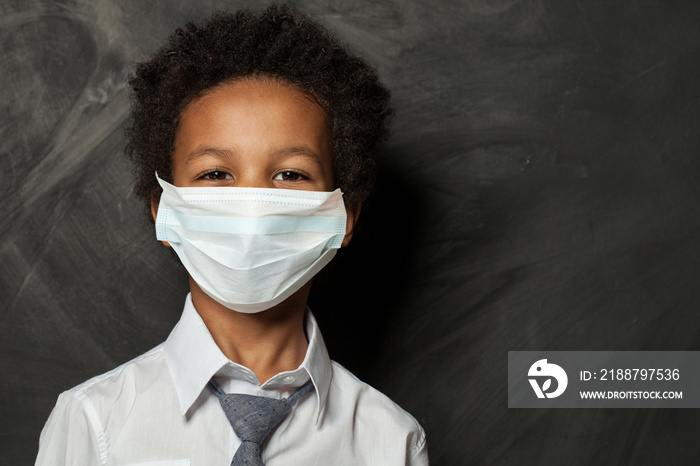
(69, 437)
(418, 455)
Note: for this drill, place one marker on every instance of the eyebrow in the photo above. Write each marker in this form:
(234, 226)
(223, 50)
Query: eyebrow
(200, 151)
(301, 150)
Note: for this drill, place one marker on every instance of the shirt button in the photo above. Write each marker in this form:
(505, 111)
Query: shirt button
(288, 379)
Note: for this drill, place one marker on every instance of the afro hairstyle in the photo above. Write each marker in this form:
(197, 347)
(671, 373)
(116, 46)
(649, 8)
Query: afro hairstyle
(280, 43)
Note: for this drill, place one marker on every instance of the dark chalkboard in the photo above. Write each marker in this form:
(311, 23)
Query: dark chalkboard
(539, 192)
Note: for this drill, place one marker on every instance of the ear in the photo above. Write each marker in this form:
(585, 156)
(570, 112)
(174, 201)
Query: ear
(155, 201)
(353, 213)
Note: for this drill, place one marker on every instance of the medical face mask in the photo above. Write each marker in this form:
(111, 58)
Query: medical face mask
(251, 248)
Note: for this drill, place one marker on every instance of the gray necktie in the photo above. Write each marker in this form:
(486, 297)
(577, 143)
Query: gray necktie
(253, 417)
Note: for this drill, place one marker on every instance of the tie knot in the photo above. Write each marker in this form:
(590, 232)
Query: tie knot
(253, 417)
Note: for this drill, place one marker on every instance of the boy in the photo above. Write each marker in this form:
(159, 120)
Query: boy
(262, 131)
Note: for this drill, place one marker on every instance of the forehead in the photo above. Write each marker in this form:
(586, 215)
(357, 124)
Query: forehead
(235, 105)
(253, 117)
(256, 90)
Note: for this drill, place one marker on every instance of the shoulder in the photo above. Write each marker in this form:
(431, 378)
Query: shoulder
(121, 382)
(348, 387)
(374, 415)
(78, 425)
(109, 399)
(118, 390)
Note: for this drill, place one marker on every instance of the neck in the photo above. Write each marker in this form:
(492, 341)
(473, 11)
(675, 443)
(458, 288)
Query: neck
(266, 342)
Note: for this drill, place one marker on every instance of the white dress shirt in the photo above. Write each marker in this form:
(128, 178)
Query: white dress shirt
(157, 410)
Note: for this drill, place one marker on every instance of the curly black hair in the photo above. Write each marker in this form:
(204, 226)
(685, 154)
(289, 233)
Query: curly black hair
(280, 43)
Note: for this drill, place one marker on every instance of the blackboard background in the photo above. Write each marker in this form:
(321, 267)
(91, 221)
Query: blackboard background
(539, 192)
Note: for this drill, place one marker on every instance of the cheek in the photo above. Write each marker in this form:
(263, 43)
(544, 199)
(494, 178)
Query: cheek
(329, 165)
(330, 183)
(180, 171)
(179, 177)
(327, 179)
(176, 161)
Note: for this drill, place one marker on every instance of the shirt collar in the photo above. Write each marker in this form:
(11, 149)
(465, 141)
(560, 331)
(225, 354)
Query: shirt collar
(193, 358)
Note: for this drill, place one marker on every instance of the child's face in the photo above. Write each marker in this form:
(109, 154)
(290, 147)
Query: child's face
(254, 133)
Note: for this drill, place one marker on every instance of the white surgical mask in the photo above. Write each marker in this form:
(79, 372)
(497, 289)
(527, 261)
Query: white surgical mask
(251, 248)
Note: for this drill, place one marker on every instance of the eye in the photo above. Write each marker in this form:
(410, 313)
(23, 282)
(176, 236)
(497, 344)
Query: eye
(290, 175)
(216, 175)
